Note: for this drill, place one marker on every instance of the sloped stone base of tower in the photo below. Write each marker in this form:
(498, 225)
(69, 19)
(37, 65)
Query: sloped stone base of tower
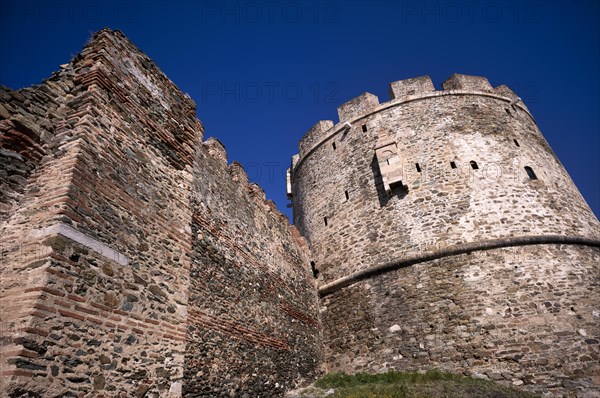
(525, 316)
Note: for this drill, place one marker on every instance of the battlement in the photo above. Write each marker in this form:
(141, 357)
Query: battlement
(216, 149)
(466, 82)
(357, 106)
(127, 233)
(236, 172)
(314, 135)
(505, 91)
(413, 86)
(401, 92)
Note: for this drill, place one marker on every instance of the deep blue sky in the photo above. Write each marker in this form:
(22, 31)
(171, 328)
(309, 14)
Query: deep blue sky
(262, 73)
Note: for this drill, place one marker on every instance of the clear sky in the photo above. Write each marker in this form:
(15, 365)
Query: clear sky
(262, 73)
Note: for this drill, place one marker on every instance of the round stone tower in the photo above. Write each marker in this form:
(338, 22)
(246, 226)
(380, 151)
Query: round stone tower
(446, 234)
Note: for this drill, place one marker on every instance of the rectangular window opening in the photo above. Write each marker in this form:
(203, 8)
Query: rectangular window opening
(333, 145)
(347, 195)
(516, 142)
(364, 128)
(325, 220)
(530, 173)
(453, 165)
(418, 167)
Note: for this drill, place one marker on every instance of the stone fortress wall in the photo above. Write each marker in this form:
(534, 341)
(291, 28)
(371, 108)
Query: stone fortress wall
(135, 261)
(447, 234)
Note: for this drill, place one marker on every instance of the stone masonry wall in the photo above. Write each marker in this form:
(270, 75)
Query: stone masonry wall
(96, 318)
(444, 205)
(523, 316)
(463, 153)
(100, 256)
(254, 326)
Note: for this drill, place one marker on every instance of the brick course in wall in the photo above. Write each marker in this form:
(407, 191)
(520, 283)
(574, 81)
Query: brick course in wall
(136, 261)
(117, 278)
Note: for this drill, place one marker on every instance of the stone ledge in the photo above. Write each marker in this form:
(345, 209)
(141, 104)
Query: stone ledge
(453, 251)
(71, 233)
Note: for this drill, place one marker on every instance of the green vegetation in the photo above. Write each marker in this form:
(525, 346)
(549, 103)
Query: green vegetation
(432, 384)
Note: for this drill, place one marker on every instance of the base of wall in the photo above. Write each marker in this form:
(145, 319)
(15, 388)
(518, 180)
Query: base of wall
(518, 315)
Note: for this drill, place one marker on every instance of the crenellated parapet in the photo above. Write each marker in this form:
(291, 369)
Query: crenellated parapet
(402, 92)
(237, 174)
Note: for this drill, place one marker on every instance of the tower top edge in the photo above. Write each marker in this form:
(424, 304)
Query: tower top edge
(400, 92)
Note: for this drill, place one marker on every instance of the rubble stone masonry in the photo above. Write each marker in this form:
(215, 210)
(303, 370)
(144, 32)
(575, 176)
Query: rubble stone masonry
(135, 262)
(448, 235)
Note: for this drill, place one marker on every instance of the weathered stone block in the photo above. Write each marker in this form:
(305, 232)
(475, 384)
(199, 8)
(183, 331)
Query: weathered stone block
(357, 106)
(413, 86)
(467, 82)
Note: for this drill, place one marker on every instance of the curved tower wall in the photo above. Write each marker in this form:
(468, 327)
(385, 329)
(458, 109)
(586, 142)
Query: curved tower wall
(425, 225)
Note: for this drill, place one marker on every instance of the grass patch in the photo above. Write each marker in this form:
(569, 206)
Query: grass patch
(336, 380)
(431, 384)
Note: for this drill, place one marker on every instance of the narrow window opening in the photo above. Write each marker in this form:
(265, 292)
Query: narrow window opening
(74, 257)
(364, 128)
(325, 220)
(530, 173)
(347, 196)
(507, 111)
(516, 142)
(333, 145)
(453, 165)
(418, 167)
(314, 269)
(474, 165)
